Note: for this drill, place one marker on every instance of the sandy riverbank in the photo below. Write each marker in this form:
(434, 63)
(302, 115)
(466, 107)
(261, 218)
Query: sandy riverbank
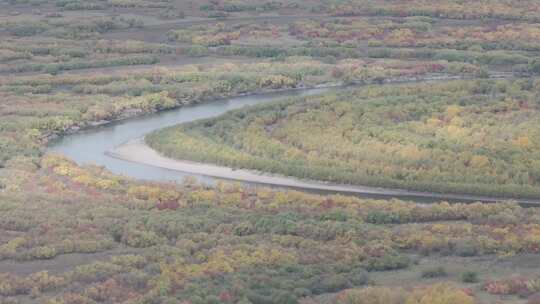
(138, 152)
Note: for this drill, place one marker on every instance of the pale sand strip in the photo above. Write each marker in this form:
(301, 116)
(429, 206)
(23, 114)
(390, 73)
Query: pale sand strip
(138, 152)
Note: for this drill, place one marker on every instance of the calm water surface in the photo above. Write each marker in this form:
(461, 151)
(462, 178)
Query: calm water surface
(89, 146)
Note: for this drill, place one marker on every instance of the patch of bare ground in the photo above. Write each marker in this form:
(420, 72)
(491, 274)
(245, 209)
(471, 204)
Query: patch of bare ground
(62, 263)
(487, 267)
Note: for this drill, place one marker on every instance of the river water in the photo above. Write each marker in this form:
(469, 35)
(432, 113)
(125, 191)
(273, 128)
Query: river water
(90, 146)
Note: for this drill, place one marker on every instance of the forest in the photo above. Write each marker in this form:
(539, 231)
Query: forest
(439, 96)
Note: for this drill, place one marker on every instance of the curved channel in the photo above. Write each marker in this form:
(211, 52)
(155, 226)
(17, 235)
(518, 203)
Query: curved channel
(90, 146)
(99, 146)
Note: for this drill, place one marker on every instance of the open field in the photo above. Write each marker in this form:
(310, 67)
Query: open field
(78, 234)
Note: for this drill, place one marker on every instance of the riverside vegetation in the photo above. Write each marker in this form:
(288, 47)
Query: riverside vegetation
(37, 107)
(95, 237)
(72, 234)
(477, 137)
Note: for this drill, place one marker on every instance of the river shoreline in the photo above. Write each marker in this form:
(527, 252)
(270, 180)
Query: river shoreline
(117, 145)
(137, 151)
(137, 113)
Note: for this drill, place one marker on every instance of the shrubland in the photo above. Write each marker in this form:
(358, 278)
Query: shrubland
(490, 44)
(77, 235)
(110, 239)
(455, 9)
(476, 137)
(38, 107)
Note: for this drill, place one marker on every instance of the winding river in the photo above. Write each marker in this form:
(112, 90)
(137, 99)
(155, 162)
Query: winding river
(112, 146)
(90, 146)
